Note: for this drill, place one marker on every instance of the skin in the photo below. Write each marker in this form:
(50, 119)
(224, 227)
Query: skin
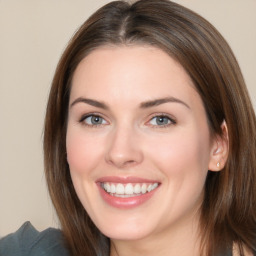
(129, 142)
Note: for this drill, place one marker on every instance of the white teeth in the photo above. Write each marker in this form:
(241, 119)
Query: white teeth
(113, 188)
(122, 190)
(137, 189)
(144, 189)
(149, 188)
(128, 189)
(155, 185)
(119, 189)
(107, 187)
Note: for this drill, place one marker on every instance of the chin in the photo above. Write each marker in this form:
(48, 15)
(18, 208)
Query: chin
(119, 228)
(126, 234)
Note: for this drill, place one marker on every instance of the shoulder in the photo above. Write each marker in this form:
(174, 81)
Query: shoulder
(27, 241)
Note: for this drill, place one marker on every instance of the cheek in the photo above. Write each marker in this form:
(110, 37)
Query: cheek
(182, 154)
(83, 152)
(183, 160)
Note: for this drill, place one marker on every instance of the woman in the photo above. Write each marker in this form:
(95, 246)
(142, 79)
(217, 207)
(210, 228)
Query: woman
(150, 137)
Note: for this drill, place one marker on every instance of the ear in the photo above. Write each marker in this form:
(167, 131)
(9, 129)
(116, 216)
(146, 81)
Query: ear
(219, 150)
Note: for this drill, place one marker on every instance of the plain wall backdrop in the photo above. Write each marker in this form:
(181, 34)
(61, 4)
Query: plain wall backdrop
(33, 34)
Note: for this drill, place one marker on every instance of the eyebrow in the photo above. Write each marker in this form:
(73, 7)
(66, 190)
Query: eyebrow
(91, 102)
(146, 104)
(157, 102)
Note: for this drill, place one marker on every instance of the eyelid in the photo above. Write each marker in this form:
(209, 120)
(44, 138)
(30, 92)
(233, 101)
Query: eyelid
(81, 120)
(173, 120)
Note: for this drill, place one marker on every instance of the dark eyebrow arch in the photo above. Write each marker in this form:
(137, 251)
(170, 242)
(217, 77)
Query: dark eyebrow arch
(91, 102)
(157, 102)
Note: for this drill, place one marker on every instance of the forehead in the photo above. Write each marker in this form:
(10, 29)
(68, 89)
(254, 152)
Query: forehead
(131, 72)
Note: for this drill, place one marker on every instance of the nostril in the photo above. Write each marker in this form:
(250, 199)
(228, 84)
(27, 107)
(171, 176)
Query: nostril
(121, 163)
(130, 162)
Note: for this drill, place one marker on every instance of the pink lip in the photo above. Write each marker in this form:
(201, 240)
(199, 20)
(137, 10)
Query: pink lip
(125, 203)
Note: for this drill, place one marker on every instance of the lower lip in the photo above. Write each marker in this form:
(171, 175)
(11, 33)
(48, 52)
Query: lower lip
(128, 202)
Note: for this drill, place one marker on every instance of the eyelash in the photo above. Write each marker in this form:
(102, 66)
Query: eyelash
(171, 120)
(82, 120)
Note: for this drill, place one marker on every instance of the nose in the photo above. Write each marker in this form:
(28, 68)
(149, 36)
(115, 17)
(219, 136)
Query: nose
(124, 149)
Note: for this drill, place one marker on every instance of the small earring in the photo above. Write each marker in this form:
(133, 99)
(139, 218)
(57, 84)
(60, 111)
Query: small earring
(218, 165)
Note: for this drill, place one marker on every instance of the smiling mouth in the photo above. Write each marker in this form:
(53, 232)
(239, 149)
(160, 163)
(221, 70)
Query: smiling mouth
(129, 189)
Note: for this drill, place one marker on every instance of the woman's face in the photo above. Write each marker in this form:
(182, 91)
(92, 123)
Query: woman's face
(138, 143)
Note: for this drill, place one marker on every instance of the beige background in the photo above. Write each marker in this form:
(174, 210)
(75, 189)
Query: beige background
(33, 34)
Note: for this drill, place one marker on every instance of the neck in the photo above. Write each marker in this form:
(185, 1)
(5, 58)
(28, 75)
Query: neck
(181, 239)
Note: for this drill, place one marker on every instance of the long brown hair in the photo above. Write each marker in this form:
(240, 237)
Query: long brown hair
(229, 206)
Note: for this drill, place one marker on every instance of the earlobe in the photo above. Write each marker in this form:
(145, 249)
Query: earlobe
(220, 150)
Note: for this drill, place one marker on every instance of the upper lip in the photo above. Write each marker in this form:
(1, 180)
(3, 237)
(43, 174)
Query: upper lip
(124, 180)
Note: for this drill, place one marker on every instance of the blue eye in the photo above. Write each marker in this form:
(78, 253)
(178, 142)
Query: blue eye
(161, 121)
(93, 120)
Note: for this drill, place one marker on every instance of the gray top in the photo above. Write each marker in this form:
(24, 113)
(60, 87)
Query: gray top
(27, 241)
